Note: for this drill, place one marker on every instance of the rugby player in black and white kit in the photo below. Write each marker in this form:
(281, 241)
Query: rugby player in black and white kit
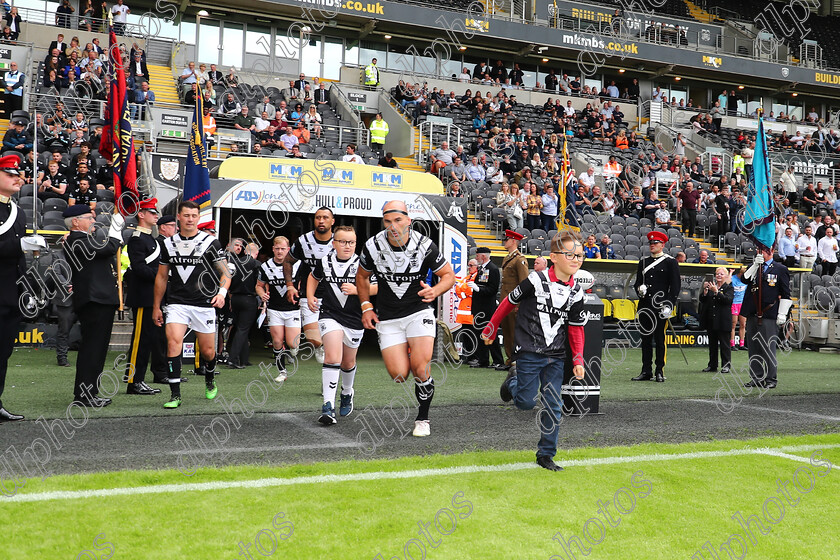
(194, 267)
(309, 248)
(401, 259)
(340, 320)
(283, 315)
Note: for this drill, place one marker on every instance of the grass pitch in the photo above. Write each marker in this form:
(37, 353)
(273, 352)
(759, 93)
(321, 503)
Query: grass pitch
(640, 502)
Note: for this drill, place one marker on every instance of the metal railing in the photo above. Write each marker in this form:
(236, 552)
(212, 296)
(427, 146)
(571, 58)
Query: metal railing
(73, 22)
(338, 98)
(431, 131)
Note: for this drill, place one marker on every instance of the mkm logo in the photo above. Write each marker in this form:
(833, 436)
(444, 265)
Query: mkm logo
(333, 175)
(283, 171)
(388, 180)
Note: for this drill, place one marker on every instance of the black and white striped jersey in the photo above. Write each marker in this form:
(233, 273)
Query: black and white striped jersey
(399, 271)
(193, 277)
(310, 250)
(331, 272)
(272, 274)
(547, 307)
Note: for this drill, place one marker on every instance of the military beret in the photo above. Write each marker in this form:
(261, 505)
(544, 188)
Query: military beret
(77, 210)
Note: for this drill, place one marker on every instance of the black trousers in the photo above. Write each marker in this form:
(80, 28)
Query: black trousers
(146, 339)
(719, 341)
(9, 323)
(482, 350)
(66, 320)
(244, 317)
(763, 338)
(378, 148)
(13, 103)
(652, 329)
(829, 268)
(96, 320)
(689, 220)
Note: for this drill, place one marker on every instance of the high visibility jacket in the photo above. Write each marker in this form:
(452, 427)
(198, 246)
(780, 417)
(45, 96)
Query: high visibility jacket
(464, 313)
(371, 75)
(378, 131)
(738, 162)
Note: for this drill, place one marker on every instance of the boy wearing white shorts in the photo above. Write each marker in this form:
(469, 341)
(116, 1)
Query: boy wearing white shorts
(283, 315)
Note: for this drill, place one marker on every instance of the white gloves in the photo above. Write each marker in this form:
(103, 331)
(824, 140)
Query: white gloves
(117, 225)
(784, 308)
(33, 243)
(473, 286)
(666, 311)
(642, 290)
(752, 271)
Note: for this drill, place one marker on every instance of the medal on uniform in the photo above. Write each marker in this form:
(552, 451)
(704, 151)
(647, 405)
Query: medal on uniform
(771, 279)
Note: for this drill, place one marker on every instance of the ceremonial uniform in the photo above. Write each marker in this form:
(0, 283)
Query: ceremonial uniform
(658, 285)
(484, 304)
(514, 271)
(763, 315)
(95, 300)
(12, 267)
(147, 338)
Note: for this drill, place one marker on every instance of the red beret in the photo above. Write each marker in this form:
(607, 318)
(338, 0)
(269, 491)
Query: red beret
(657, 236)
(10, 164)
(510, 234)
(148, 204)
(208, 225)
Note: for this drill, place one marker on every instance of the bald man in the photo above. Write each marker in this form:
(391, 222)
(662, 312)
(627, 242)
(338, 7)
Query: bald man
(403, 318)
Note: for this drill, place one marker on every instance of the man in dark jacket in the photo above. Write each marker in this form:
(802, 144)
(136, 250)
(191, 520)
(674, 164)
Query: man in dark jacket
(716, 318)
(17, 138)
(484, 291)
(95, 296)
(144, 254)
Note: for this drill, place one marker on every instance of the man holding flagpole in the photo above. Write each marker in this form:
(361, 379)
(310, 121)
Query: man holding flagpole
(767, 294)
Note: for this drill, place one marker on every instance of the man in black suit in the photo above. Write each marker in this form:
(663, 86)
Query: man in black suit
(95, 296)
(766, 306)
(216, 77)
(138, 72)
(58, 44)
(12, 267)
(301, 82)
(484, 304)
(144, 254)
(322, 95)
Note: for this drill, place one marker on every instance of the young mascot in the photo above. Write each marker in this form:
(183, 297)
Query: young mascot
(550, 319)
(340, 320)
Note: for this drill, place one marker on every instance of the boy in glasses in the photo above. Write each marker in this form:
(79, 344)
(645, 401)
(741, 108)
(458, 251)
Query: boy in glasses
(549, 323)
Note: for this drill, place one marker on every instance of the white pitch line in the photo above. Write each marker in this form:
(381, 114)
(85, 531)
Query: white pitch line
(390, 475)
(777, 410)
(796, 458)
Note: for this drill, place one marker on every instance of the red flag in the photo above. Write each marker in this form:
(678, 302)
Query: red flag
(116, 144)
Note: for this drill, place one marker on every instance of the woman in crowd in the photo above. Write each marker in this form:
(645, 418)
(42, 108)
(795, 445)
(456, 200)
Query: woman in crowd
(534, 207)
(313, 120)
(13, 20)
(514, 209)
(716, 318)
(738, 288)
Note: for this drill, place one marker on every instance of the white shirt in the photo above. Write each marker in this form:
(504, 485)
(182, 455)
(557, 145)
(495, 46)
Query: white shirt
(587, 179)
(807, 245)
(827, 249)
(354, 158)
(260, 124)
(569, 111)
(119, 13)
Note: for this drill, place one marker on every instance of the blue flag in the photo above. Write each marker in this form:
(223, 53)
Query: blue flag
(196, 174)
(759, 218)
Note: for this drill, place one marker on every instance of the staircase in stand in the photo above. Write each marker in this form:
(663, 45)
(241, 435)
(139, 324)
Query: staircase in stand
(699, 13)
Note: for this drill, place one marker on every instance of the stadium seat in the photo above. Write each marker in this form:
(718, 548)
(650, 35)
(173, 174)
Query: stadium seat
(600, 290)
(498, 217)
(538, 233)
(57, 204)
(535, 247)
(623, 309)
(615, 292)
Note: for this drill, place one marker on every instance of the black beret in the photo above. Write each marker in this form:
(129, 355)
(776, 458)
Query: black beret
(483, 250)
(77, 210)
(168, 219)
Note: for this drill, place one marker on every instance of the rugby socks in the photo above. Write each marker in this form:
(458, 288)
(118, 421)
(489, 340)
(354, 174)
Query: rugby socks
(424, 391)
(174, 363)
(210, 370)
(280, 359)
(347, 378)
(329, 381)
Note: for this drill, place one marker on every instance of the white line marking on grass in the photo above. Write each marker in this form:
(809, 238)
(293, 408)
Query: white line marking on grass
(395, 475)
(777, 410)
(787, 456)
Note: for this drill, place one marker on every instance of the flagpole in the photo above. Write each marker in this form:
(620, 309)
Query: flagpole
(35, 174)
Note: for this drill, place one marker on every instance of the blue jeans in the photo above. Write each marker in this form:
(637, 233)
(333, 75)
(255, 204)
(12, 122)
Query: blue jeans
(538, 373)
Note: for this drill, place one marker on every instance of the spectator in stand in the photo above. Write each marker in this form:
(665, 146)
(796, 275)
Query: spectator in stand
(787, 248)
(229, 107)
(232, 80)
(441, 157)
(455, 190)
(209, 127)
(514, 209)
(289, 139)
(787, 182)
(52, 183)
(533, 208)
(188, 77)
(351, 156)
(806, 246)
(662, 215)
(17, 138)
(302, 133)
(549, 208)
(809, 199)
(717, 113)
(828, 224)
(590, 249)
(827, 251)
(261, 122)
(606, 250)
(688, 203)
(62, 14)
(244, 121)
(475, 171)
(83, 195)
(13, 21)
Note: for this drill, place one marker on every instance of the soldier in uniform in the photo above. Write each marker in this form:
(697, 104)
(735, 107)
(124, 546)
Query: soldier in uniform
(95, 296)
(167, 226)
(766, 306)
(12, 267)
(144, 254)
(514, 271)
(484, 304)
(658, 285)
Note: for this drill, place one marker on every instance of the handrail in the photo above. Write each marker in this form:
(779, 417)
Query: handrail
(428, 127)
(340, 98)
(694, 145)
(43, 17)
